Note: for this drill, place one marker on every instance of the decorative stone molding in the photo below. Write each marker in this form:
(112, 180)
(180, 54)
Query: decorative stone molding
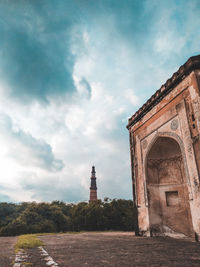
(193, 63)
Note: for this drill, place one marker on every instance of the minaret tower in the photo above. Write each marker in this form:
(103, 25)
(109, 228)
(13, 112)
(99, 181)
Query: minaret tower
(93, 186)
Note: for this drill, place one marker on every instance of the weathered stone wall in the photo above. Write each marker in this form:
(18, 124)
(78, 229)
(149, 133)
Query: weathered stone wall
(165, 155)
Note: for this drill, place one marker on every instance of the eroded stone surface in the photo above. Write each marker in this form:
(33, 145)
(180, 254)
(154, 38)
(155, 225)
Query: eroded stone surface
(121, 249)
(21, 258)
(112, 249)
(49, 260)
(34, 257)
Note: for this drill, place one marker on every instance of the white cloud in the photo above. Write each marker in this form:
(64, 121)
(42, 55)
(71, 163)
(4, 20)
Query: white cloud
(79, 133)
(131, 97)
(168, 43)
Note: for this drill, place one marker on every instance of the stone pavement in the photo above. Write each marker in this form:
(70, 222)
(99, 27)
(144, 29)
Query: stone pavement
(117, 249)
(34, 257)
(121, 249)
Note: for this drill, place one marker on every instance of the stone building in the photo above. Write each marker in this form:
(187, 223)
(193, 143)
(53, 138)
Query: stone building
(93, 186)
(165, 156)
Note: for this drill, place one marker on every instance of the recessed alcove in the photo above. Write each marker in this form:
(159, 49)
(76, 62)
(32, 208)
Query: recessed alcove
(166, 187)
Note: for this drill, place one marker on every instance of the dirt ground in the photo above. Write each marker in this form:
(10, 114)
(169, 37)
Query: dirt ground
(107, 249)
(120, 249)
(7, 251)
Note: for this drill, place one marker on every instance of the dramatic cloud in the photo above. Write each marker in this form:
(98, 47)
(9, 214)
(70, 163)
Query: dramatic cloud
(35, 49)
(27, 150)
(71, 73)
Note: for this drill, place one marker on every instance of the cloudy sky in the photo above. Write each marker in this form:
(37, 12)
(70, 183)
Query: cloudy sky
(71, 74)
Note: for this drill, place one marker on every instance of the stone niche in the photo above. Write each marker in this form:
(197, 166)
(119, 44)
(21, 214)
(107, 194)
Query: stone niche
(165, 156)
(167, 194)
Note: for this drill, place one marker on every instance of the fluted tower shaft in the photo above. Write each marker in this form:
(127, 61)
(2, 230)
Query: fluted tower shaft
(93, 185)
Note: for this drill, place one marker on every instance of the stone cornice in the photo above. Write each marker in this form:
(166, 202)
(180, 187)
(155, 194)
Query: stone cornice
(192, 64)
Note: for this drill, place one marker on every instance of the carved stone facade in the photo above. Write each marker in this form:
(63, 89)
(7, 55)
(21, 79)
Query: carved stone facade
(165, 156)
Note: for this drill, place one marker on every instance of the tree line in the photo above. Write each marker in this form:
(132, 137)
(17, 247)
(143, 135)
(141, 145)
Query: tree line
(57, 216)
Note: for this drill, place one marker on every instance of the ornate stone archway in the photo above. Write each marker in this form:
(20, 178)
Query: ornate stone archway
(167, 190)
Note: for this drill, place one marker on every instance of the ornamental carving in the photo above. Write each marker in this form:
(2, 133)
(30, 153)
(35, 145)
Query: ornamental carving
(144, 144)
(174, 124)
